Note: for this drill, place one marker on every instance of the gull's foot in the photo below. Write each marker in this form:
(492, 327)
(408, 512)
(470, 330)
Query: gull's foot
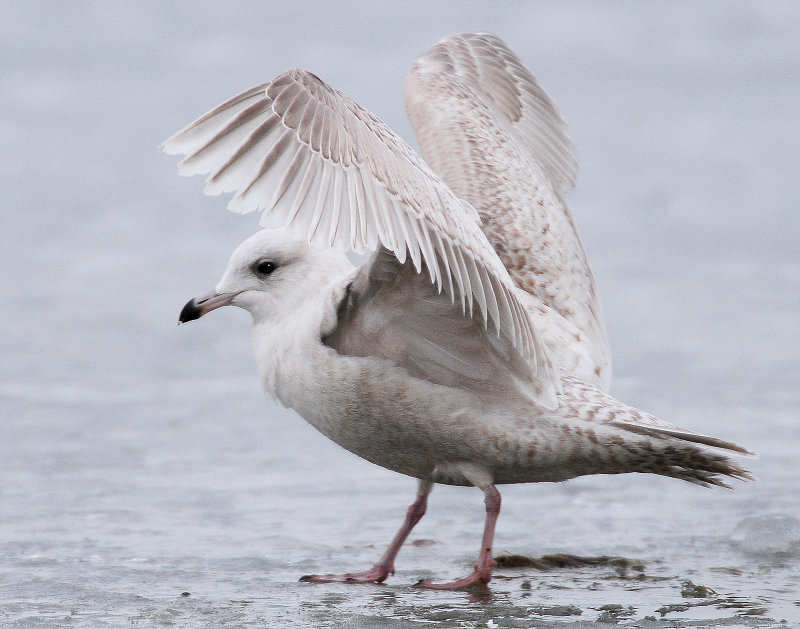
(376, 574)
(476, 578)
(480, 576)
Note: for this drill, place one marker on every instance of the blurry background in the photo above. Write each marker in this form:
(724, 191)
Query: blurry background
(140, 461)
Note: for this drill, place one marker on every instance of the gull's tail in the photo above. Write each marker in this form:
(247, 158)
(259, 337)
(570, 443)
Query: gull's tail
(625, 439)
(678, 459)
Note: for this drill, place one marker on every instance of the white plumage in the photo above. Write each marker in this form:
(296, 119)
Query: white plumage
(470, 348)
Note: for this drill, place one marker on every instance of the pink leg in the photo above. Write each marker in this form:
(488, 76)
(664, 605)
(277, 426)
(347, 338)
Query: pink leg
(482, 573)
(385, 565)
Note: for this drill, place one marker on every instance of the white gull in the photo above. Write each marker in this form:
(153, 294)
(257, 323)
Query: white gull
(470, 348)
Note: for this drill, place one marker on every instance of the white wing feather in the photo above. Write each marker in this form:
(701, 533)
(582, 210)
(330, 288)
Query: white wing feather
(316, 162)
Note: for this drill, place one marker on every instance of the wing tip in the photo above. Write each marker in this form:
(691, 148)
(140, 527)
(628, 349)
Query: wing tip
(170, 146)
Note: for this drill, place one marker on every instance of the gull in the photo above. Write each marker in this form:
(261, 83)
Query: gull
(469, 349)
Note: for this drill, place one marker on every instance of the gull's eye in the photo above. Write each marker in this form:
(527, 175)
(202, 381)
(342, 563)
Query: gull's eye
(264, 267)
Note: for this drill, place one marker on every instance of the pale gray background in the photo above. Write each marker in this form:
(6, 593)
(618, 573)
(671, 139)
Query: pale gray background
(139, 461)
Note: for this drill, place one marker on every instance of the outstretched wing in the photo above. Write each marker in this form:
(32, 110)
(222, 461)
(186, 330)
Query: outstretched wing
(316, 162)
(496, 138)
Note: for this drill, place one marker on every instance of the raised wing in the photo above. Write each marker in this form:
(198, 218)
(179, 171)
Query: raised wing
(334, 174)
(495, 137)
(488, 69)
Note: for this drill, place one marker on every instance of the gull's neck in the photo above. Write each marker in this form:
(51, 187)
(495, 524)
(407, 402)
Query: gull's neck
(288, 338)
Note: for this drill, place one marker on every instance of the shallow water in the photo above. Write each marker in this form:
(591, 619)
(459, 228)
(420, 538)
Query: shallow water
(146, 481)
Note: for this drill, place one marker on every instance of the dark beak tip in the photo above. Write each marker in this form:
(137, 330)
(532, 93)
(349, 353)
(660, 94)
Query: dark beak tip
(190, 312)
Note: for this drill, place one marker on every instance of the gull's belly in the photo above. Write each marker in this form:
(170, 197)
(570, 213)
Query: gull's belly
(383, 415)
(420, 429)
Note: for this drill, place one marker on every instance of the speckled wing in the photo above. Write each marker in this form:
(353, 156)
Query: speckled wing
(495, 137)
(316, 162)
(483, 64)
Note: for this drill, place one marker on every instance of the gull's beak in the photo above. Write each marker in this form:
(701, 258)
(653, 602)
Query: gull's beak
(204, 303)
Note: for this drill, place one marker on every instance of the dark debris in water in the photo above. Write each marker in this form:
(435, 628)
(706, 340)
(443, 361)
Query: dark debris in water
(674, 607)
(563, 560)
(423, 542)
(745, 607)
(623, 566)
(556, 610)
(728, 570)
(614, 612)
(733, 602)
(692, 590)
(753, 611)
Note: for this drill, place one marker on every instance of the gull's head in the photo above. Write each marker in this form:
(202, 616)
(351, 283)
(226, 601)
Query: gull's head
(268, 275)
